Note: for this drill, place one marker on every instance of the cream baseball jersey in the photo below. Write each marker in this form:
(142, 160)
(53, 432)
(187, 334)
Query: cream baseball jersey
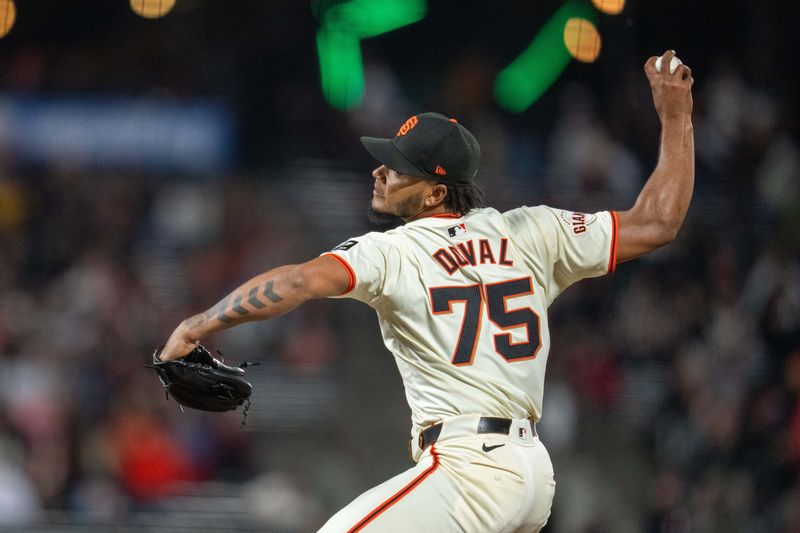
(462, 301)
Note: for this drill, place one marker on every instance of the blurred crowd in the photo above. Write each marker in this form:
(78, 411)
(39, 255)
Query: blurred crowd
(672, 402)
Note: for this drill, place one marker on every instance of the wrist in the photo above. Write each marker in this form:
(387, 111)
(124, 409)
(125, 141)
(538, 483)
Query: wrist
(191, 329)
(677, 122)
(676, 134)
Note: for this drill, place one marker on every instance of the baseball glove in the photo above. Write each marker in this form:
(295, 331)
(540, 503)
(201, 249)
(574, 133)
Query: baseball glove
(200, 381)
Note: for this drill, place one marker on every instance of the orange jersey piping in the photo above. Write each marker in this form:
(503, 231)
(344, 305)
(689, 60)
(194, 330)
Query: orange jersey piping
(612, 256)
(351, 274)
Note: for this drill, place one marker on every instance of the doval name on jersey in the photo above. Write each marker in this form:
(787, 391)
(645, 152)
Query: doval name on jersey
(469, 253)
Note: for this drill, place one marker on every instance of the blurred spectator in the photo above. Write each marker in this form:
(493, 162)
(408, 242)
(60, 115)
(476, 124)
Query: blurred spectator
(19, 500)
(673, 396)
(150, 461)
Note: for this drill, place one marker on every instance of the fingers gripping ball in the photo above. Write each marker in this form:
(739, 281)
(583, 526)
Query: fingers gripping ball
(673, 64)
(202, 382)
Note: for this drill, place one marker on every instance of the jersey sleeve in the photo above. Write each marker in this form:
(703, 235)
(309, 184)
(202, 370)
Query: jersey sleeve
(572, 245)
(366, 259)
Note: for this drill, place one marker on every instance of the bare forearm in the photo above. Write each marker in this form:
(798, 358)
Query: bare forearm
(666, 195)
(661, 207)
(265, 296)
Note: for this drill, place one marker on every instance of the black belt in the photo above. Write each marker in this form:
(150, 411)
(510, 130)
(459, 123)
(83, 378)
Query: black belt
(487, 424)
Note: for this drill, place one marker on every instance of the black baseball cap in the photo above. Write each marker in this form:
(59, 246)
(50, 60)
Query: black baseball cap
(430, 145)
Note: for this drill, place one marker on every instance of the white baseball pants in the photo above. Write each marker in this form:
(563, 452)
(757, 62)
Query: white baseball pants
(457, 486)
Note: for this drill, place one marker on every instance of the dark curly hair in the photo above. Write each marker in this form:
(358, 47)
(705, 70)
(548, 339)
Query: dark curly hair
(462, 200)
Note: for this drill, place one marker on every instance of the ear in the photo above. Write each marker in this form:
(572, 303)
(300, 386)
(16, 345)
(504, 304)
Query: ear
(437, 194)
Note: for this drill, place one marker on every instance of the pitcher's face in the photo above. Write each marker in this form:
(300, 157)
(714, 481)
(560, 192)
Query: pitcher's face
(398, 194)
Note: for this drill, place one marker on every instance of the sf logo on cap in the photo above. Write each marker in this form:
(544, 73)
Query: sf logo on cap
(408, 126)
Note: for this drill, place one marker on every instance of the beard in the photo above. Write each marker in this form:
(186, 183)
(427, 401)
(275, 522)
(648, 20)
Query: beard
(380, 218)
(406, 209)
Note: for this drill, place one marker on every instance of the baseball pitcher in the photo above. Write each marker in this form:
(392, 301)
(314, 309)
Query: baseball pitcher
(461, 292)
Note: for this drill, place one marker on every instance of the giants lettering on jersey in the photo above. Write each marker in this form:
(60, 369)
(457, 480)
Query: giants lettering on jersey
(469, 253)
(579, 222)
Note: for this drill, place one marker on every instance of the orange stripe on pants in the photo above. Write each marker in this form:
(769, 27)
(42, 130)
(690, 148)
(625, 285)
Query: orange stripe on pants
(399, 494)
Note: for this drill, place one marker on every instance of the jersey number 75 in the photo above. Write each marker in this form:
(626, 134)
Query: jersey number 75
(495, 296)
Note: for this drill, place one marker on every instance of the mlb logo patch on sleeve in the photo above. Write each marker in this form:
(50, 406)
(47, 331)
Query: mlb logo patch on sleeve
(455, 231)
(346, 245)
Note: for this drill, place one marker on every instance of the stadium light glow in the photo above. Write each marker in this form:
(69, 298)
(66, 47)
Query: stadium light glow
(609, 7)
(152, 9)
(341, 68)
(582, 39)
(343, 26)
(8, 15)
(523, 81)
(368, 18)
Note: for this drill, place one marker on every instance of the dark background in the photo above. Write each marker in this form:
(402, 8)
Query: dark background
(673, 393)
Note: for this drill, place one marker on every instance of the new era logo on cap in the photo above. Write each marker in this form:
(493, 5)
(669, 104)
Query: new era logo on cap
(432, 146)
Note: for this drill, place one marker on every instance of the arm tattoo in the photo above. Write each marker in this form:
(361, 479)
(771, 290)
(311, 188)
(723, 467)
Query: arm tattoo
(223, 306)
(237, 306)
(271, 294)
(219, 310)
(197, 321)
(253, 300)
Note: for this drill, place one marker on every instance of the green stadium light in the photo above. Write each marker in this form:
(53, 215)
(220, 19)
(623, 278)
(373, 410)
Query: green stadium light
(522, 82)
(341, 68)
(368, 18)
(343, 26)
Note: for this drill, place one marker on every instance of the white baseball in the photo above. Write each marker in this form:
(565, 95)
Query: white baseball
(673, 65)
